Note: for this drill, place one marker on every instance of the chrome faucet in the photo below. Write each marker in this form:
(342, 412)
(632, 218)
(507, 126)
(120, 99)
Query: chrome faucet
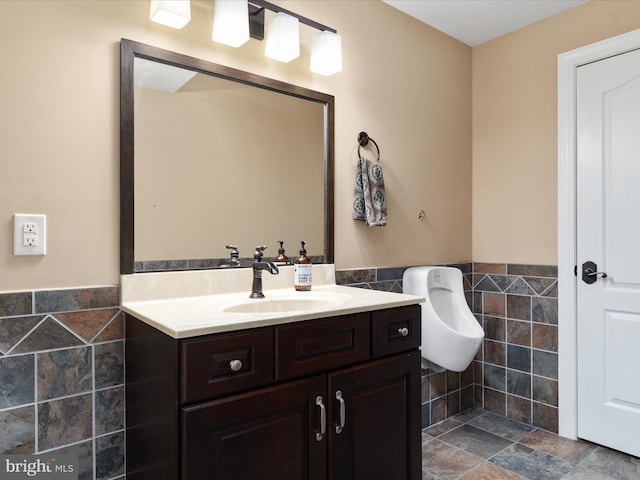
(258, 266)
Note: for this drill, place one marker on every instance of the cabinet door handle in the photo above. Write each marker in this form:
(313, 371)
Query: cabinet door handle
(404, 331)
(343, 414)
(323, 419)
(235, 365)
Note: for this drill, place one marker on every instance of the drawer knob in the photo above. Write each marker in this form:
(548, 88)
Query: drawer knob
(235, 365)
(404, 331)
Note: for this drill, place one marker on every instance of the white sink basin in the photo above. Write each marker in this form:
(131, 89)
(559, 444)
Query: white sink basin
(286, 304)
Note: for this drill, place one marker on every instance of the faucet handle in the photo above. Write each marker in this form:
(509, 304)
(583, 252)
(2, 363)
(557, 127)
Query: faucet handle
(257, 256)
(235, 254)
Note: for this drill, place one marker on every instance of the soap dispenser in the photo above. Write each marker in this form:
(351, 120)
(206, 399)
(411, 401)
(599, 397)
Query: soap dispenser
(302, 271)
(281, 259)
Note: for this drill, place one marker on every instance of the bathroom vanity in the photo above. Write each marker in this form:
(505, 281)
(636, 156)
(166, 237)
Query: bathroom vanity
(218, 389)
(311, 385)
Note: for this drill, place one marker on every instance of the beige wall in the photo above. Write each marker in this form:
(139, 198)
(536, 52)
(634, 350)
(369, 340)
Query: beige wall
(406, 84)
(515, 130)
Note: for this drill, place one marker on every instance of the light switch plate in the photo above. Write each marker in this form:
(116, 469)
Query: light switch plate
(29, 234)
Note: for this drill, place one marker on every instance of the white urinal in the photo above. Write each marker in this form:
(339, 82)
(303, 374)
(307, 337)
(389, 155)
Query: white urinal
(451, 335)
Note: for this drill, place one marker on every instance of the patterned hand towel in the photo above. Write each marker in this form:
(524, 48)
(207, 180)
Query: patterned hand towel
(369, 199)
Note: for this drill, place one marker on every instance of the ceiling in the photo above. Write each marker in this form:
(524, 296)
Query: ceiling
(477, 21)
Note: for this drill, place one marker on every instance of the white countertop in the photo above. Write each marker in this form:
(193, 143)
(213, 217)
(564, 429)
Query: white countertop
(192, 303)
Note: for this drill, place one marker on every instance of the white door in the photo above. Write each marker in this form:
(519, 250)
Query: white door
(608, 234)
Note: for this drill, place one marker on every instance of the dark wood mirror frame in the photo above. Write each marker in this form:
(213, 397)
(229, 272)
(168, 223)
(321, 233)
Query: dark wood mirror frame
(129, 50)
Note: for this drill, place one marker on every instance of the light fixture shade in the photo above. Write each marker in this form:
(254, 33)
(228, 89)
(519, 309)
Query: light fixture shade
(172, 13)
(231, 22)
(326, 53)
(283, 38)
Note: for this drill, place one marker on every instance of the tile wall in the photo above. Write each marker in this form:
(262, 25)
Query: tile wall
(516, 374)
(62, 377)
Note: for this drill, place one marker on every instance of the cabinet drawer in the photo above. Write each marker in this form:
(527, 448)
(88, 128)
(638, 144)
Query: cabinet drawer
(395, 330)
(222, 364)
(316, 346)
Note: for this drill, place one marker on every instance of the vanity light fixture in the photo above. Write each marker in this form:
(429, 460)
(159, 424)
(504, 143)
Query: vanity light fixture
(235, 21)
(326, 53)
(172, 13)
(283, 38)
(231, 22)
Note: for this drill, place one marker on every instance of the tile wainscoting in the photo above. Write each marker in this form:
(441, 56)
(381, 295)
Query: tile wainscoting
(515, 373)
(62, 362)
(62, 377)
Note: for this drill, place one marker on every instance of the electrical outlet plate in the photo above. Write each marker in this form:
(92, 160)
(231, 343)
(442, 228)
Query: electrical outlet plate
(29, 234)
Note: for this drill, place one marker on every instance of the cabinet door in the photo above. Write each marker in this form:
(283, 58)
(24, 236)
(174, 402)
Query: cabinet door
(272, 433)
(375, 420)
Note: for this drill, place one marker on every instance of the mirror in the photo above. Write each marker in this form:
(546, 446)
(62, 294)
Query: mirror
(212, 156)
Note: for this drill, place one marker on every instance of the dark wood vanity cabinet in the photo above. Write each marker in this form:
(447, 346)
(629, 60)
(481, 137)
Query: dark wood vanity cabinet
(267, 433)
(335, 398)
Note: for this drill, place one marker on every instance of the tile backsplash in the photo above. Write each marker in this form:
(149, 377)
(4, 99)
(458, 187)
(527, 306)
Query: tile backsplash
(62, 377)
(62, 362)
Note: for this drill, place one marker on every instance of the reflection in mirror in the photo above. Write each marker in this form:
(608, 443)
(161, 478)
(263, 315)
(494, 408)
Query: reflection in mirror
(213, 156)
(246, 169)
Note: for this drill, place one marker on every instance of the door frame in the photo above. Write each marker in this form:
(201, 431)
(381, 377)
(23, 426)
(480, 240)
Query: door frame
(567, 280)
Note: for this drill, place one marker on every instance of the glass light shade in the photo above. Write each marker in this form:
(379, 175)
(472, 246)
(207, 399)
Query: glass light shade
(326, 53)
(283, 38)
(231, 22)
(172, 13)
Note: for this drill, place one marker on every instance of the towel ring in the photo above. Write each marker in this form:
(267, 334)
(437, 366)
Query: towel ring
(363, 141)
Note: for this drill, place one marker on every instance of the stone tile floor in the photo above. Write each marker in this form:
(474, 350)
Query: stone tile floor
(479, 445)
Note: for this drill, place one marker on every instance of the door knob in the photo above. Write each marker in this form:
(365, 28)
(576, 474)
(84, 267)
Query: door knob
(590, 272)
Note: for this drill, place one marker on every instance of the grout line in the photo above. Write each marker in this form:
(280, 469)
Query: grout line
(8, 354)
(64, 397)
(105, 326)
(67, 445)
(94, 456)
(14, 407)
(124, 403)
(84, 342)
(36, 409)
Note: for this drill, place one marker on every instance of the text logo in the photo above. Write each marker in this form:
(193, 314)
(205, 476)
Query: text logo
(43, 466)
